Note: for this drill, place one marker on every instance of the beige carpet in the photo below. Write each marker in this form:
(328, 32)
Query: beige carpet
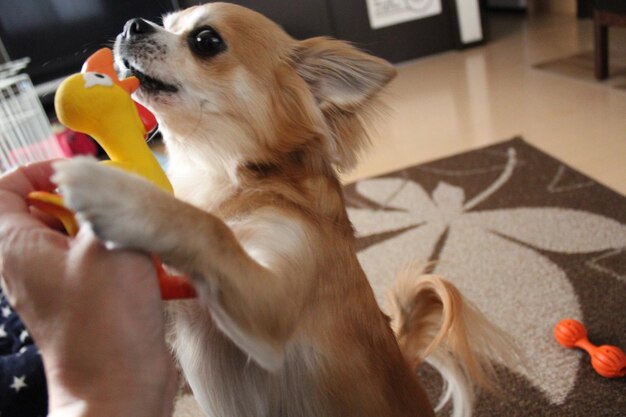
(530, 241)
(580, 66)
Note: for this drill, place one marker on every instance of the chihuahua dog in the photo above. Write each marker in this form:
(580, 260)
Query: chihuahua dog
(257, 125)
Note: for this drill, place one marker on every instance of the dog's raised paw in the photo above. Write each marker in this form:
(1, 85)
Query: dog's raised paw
(107, 199)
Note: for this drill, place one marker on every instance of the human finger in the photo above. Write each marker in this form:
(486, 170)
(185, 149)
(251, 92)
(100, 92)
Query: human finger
(15, 186)
(27, 178)
(50, 221)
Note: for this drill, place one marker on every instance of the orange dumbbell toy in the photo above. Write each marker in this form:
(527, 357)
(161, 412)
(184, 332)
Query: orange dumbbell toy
(608, 361)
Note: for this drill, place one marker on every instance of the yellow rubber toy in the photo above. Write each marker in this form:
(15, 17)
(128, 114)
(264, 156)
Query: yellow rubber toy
(97, 103)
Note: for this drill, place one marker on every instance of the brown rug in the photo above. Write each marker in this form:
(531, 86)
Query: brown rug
(530, 241)
(581, 67)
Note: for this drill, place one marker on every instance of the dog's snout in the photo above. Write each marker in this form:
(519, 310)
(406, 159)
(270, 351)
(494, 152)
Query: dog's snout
(137, 27)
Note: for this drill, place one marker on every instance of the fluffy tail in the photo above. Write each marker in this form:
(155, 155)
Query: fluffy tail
(433, 322)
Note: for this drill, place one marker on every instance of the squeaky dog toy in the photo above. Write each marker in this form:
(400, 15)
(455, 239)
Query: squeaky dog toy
(608, 361)
(99, 104)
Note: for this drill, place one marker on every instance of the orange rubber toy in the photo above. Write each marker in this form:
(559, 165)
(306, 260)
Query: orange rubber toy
(608, 361)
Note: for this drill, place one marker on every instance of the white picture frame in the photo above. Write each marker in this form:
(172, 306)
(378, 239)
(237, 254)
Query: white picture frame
(385, 13)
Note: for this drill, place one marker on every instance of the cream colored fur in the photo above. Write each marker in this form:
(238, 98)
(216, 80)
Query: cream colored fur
(286, 323)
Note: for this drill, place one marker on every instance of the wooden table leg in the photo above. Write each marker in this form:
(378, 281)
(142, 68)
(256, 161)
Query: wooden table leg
(601, 48)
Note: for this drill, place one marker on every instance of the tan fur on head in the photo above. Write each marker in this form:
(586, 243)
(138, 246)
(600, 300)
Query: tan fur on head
(345, 82)
(266, 96)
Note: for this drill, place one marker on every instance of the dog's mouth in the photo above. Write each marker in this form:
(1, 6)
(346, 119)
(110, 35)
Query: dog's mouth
(147, 82)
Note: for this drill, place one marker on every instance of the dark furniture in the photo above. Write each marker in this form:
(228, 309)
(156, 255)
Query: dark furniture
(584, 9)
(606, 13)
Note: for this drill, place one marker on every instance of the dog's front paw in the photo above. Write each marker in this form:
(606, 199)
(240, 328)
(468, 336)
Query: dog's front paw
(107, 199)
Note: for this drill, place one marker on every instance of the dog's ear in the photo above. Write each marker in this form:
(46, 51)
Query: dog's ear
(339, 74)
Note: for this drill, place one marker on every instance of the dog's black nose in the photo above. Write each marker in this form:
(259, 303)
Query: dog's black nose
(137, 27)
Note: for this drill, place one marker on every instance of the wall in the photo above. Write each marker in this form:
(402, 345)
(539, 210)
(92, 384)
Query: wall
(507, 3)
(300, 18)
(4, 56)
(348, 20)
(399, 42)
(556, 6)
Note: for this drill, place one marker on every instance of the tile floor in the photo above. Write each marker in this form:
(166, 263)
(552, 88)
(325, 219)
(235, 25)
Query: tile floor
(459, 100)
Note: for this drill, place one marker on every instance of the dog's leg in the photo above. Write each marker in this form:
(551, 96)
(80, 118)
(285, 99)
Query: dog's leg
(241, 274)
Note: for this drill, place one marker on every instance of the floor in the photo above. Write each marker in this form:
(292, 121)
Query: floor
(460, 100)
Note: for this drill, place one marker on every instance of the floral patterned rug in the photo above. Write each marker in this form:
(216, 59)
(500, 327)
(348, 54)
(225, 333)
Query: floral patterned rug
(530, 241)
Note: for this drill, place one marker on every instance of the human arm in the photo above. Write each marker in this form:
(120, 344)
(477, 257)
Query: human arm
(94, 313)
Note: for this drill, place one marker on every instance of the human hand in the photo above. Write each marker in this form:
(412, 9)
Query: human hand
(94, 313)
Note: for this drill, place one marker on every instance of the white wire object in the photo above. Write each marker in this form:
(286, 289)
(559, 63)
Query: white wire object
(25, 132)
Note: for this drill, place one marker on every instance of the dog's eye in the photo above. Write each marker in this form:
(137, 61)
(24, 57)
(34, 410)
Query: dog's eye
(206, 42)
